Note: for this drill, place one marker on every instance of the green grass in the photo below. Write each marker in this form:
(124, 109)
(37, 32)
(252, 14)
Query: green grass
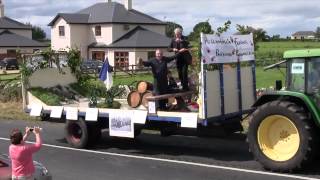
(9, 76)
(14, 111)
(264, 78)
(267, 78)
(130, 80)
(276, 49)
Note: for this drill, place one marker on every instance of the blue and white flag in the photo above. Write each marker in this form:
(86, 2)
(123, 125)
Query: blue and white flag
(106, 74)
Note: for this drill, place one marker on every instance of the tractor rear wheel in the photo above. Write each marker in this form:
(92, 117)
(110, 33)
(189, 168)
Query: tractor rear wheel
(281, 136)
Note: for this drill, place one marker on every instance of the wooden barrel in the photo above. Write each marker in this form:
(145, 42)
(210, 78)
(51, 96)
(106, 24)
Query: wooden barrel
(144, 101)
(134, 99)
(172, 101)
(144, 86)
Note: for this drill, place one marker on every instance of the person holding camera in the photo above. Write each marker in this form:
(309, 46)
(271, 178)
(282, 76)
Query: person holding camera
(21, 153)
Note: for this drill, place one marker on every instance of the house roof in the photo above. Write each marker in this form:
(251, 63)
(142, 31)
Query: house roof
(8, 23)
(98, 45)
(72, 18)
(9, 39)
(107, 12)
(138, 37)
(304, 33)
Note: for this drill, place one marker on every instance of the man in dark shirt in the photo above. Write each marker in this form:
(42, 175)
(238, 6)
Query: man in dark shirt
(160, 73)
(184, 59)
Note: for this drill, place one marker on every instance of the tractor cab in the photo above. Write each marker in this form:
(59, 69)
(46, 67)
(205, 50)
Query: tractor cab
(303, 71)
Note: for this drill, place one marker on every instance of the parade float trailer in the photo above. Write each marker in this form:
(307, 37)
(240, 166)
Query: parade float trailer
(224, 96)
(281, 124)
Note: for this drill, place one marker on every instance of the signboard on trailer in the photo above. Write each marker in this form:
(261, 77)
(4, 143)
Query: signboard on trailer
(121, 123)
(226, 49)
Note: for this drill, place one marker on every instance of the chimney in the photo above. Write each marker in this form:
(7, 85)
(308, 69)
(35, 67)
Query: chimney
(1, 9)
(128, 4)
(109, 1)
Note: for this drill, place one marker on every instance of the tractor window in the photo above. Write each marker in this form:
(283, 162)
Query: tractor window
(313, 77)
(297, 75)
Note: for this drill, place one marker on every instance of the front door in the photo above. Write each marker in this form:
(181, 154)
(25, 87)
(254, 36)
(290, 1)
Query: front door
(11, 53)
(98, 55)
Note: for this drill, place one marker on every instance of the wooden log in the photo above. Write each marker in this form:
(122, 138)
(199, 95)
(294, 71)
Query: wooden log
(144, 101)
(134, 99)
(166, 96)
(144, 86)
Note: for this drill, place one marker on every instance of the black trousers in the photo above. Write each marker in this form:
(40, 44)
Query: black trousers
(183, 75)
(161, 87)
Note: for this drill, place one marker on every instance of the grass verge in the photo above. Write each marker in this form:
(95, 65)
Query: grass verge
(14, 111)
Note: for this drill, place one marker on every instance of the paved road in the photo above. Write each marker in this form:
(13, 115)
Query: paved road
(148, 157)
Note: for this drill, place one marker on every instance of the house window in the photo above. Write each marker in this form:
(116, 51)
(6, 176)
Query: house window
(121, 59)
(61, 31)
(98, 55)
(11, 53)
(97, 30)
(151, 54)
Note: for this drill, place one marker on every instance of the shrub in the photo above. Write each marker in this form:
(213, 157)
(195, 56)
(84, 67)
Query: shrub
(85, 87)
(46, 96)
(10, 91)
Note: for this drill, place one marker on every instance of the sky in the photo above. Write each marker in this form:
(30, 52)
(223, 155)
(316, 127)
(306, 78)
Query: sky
(282, 17)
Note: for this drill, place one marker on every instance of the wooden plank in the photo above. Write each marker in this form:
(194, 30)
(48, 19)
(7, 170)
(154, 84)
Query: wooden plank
(166, 96)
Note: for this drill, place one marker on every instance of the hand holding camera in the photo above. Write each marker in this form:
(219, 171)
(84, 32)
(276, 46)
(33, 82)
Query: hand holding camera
(35, 130)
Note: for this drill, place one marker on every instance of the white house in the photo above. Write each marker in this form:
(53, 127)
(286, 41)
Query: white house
(15, 36)
(109, 29)
(301, 35)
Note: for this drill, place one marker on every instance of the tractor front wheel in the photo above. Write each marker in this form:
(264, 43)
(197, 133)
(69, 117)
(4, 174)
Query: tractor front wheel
(281, 136)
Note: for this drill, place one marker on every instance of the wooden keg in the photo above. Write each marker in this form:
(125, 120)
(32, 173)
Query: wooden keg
(134, 99)
(172, 101)
(144, 101)
(144, 86)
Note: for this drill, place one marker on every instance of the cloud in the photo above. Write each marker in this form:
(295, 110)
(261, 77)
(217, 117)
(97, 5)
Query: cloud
(276, 17)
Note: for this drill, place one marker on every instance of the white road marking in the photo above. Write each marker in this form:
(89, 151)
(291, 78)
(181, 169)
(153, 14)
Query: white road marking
(177, 162)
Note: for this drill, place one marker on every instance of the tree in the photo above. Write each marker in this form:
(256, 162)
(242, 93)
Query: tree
(276, 37)
(202, 27)
(317, 35)
(224, 28)
(258, 34)
(38, 33)
(171, 26)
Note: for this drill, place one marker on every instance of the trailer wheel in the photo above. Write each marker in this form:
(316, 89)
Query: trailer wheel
(77, 133)
(281, 137)
(45, 117)
(94, 132)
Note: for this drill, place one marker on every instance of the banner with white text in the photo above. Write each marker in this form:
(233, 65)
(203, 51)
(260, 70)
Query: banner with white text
(226, 49)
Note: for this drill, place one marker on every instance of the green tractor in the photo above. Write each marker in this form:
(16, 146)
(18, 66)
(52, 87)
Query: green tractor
(283, 129)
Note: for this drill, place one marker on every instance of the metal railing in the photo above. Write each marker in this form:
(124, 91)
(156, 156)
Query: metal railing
(132, 70)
